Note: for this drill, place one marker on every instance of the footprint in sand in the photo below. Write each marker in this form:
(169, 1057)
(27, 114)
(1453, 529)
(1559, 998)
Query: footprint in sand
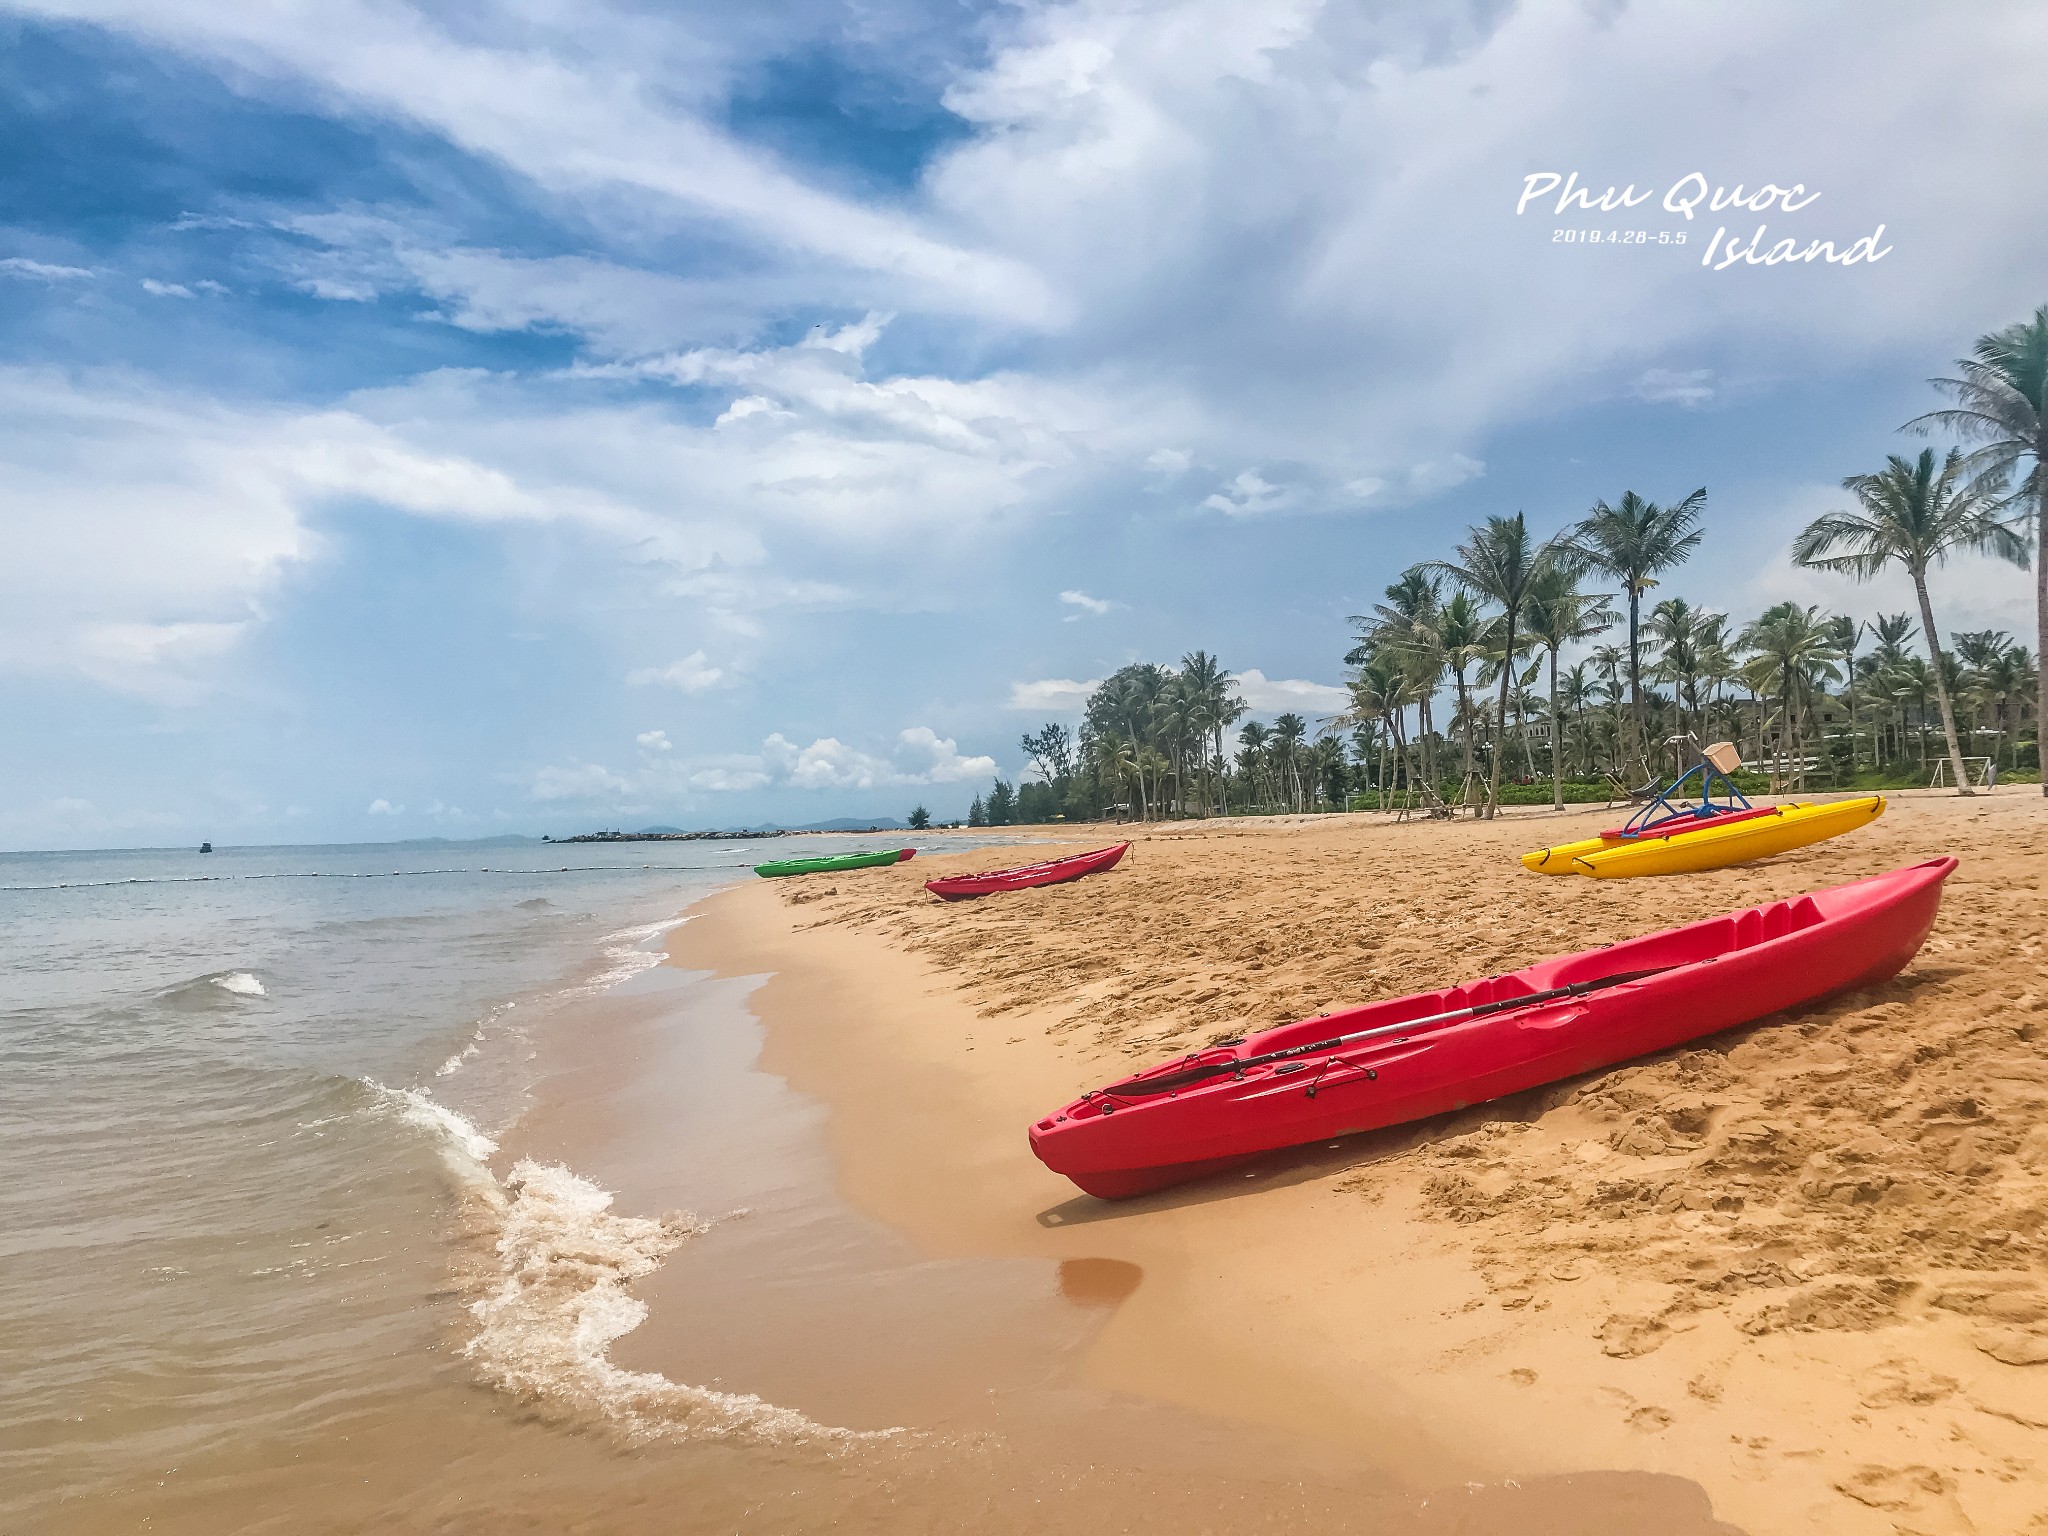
(1649, 1420)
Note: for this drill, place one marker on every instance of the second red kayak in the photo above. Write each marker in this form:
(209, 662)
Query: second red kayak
(1025, 876)
(1433, 1052)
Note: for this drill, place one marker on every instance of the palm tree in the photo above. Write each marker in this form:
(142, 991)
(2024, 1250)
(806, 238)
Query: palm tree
(1794, 650)
(1916, 517)
(1215, 707)
(1289, 732)
(1559, 615)
(1575, 693)
(1997, 677)
(1460, 636)
(1251, 756)
(1632, 541)
(2001, 404)
(1406, 625)
(1675, 625)
(1847, 632)
(1894, 633)
(1499, 562)
(1379, 691)
(1326, 769)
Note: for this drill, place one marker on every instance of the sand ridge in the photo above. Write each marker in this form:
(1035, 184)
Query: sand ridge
(1801, 1262)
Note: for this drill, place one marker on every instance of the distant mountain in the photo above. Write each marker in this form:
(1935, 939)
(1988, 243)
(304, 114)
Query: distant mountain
(652, 831)
(855, 824)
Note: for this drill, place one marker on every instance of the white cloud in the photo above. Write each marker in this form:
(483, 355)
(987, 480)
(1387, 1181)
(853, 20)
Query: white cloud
(919, 755)
(1094, 605)
(1169, 461)
(1277, 695)
(1249, 495)
(382, 807)
(41, 271)
(691, 674)
(1052, 695)
(166, 290)
(1454, 470)
(147, 527)
(728, 778)
(1674, 386)
(929, 758)
(922, 756)
(578, 782)
(569, 102)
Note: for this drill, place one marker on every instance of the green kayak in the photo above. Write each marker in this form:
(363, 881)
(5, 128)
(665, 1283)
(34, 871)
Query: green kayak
(834, 864)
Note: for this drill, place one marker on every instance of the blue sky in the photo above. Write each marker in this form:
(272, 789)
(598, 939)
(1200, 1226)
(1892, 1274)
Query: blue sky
(431, 420)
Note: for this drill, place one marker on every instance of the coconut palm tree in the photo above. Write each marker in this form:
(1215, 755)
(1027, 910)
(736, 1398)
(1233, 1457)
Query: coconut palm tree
(1379, 691)
(2001, 404)
(1575, 692)
(1632, 541)
(1559, 614)
(1499, 562)
(1461, 638)
(1794, 652)
(1894, 632)
(1406, 624)
(1997, 679)
(1289, 732)
(1847, 632)
(1915, 516)
(1216, 707)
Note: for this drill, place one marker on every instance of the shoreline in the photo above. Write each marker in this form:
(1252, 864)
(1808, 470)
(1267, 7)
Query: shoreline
(1375, 1295)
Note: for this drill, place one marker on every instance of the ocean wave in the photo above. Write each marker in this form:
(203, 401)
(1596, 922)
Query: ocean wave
(216, 989)
(624, 957)
(465, 1149)
(545, 1275)
(621, 958)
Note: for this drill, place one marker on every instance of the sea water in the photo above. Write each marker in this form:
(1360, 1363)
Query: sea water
(242, 1098)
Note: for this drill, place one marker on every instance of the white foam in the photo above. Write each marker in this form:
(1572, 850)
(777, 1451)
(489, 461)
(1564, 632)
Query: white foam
(474, 1044)
(554, 1295)
(559, 1298)
(625, 956)
(241, 983)
(462, 1146)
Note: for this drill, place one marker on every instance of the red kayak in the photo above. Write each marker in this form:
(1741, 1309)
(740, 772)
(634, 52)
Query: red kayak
(1024, 876)
(1410, 1057)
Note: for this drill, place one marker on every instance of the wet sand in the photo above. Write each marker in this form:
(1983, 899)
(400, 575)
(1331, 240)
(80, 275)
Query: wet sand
(1796, 1265)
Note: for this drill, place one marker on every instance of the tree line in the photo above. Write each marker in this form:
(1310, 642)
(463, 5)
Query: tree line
(1461, 691)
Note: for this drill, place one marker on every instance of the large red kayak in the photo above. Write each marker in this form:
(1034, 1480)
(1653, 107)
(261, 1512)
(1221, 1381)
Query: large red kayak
(1024, 876)
(1202, 1113)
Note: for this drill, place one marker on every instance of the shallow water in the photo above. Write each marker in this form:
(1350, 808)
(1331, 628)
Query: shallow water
(237, 1092)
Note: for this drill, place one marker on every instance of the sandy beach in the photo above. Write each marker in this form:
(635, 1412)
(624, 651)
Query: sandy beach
(1796, 1264)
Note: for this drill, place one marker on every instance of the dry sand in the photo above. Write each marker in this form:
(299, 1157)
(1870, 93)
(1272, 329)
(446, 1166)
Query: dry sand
(1799, 1263)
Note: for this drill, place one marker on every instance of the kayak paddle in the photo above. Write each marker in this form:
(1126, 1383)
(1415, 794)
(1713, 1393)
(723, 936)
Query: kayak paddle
(1221, 1068)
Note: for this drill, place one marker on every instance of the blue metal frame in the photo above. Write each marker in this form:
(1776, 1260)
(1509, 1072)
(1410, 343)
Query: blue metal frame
(1646, 820)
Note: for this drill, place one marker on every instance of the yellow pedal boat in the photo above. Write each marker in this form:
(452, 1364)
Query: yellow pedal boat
(1681, 850)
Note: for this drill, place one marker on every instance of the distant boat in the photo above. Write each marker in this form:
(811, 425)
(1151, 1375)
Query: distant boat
(206, 847)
